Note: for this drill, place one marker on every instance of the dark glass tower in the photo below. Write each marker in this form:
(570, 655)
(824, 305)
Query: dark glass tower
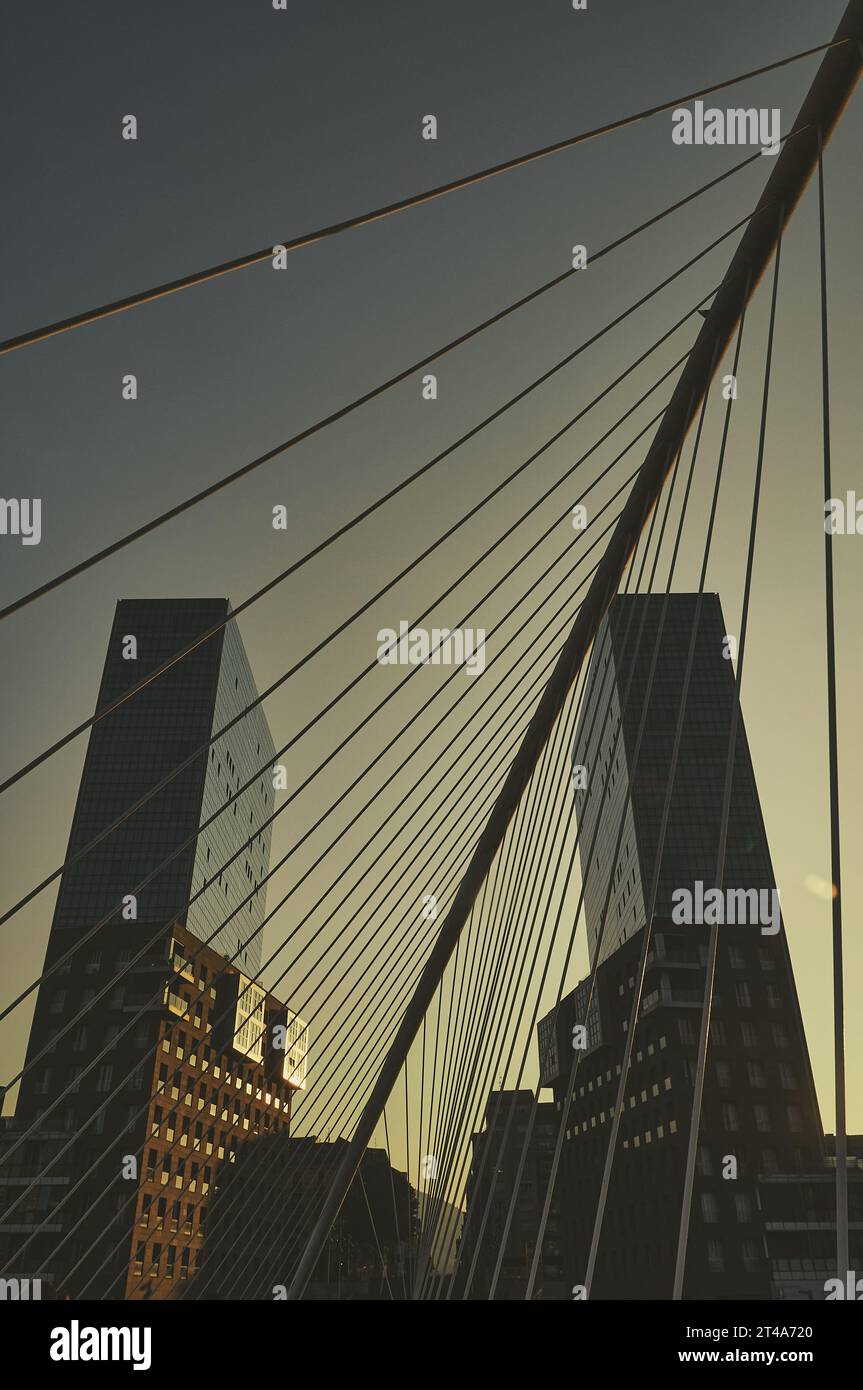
(759, 1113)
(142, 742)
(130, 751)
(620, 671)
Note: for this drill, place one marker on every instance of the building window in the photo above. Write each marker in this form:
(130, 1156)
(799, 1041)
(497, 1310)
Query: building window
(715, 1257)
(742, 995)
(743, 1206)
(795, 1118)
(730, 1117)
(709, 1207)
(705, 1162)
(687, 1031)
(755, 1072)
(762, 1119)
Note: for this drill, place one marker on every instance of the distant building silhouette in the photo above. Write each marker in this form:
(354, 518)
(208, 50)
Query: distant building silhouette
(496, 1155)
(264, 1209)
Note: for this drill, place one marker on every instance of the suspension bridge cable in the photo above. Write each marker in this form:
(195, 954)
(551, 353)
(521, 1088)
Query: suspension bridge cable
(344, 1121)
(461, 1114)
(635, 1011)
(613, 860)
(566, 725)
(347, 1121)
(291, 743)
(132, 1199)
(275, 953)
(524, 838)
(593, 716)
(484, 1160)
(507, 1226)
(364, 219)
(842, 1255)
(702, 578)
(565, 361)
(566, 736)
(477, 1073)
(483, 1039)
(334, 416)
(130, 1073)
(395, 1204)
(384, 1270)
(274, 910)
(473, 1021)
(710, 970)
(618, 735)
(273, 956)
(285, 804)
(204, 747)
(306, 1165)
(452, 1051)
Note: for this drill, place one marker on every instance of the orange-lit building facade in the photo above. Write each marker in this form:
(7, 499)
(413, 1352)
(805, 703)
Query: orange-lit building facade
(216, 1082)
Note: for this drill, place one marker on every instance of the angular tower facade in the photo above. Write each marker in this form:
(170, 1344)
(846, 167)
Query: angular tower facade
(135, 748)
(94, 1034)
(759, 1113)
(620, 672)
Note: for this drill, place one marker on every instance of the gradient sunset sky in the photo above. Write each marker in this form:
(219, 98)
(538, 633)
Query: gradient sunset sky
(257, 125)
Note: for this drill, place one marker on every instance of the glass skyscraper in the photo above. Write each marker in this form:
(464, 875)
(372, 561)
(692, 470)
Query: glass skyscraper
(759, 1117)
(106, 1016)
(133, 749)
(619, 675)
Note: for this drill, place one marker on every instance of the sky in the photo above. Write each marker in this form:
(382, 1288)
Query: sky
(256, 125)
